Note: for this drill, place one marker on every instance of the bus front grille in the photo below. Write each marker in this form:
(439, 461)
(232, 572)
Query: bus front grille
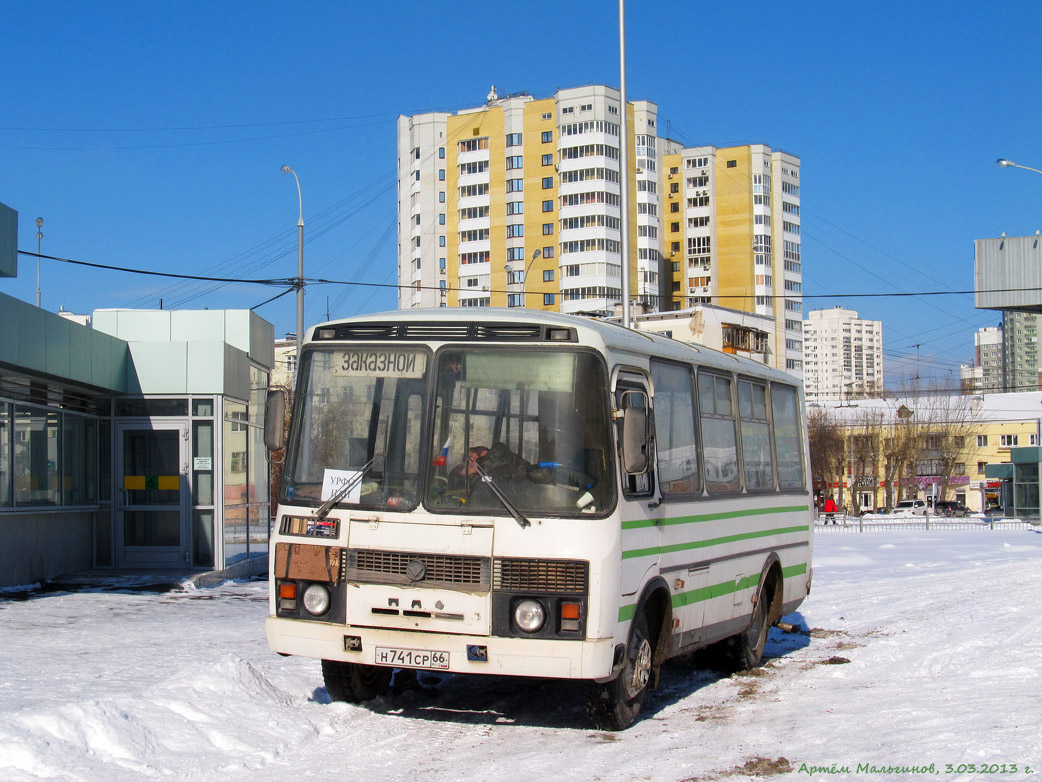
(540, 575)
(368, 566)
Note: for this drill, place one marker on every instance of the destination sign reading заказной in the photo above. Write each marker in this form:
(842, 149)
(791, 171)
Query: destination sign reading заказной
(384, 363)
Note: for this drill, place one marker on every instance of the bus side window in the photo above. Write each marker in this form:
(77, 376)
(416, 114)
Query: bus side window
(626, 397)
(676, 442)
(719, 443)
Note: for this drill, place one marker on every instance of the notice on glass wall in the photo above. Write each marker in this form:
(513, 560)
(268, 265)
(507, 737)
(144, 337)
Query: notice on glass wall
(202, 463)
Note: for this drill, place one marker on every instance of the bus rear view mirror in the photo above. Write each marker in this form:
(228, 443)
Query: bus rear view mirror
(275, 419)
(634, 433)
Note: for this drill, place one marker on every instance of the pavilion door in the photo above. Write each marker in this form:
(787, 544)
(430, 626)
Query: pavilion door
(154, 529)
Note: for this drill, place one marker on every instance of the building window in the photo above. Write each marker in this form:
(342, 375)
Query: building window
(548, 299)
(982, 441)
(548, 182)
(515, 185)
(513, 139)
(441, 153)
(515, 207)
(548, 135)
(548, 275)
(732, 164)
(548, 160)
(515, 161)
(674, 227)
(1007, 440)
(515, 230)
(515, 300)
(981, 467)
(548, 228)
(674, 187)
(441, 219)
(441, 241)
(441, 174)
(441, 197)
(548, 252)
(548, 206)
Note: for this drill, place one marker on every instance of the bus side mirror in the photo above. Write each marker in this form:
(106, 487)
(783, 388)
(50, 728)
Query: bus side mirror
(275, 419)
(635, 433)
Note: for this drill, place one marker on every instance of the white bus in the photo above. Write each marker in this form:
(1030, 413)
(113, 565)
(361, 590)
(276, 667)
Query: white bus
(532, 494)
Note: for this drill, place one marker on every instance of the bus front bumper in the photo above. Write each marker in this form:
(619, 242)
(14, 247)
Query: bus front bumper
(589, 659)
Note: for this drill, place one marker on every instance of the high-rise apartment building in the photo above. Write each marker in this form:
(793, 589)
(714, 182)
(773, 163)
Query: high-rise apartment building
(985, 375)
(1020, 367)
(517, 203)
(842, 355)
(732, 236)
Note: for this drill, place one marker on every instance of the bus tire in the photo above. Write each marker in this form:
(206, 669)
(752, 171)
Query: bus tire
(614, 705)
(745, 650)
(354, 682)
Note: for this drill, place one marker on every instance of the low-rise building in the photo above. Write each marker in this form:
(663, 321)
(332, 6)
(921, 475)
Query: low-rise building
(930, 446)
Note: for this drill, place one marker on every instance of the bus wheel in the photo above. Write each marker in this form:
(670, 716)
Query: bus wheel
(615, 704)
(746, 649)
(353, 682)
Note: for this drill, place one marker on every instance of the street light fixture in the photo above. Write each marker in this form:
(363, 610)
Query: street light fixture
(1003, 163)
(300, 264)
(39, 236)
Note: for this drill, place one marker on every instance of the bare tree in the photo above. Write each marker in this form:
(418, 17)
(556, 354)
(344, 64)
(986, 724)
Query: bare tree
(863, 450)
(949, 423)
(825, 433)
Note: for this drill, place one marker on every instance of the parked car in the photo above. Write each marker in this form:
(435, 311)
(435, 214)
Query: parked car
(910, 508)
(951, 508)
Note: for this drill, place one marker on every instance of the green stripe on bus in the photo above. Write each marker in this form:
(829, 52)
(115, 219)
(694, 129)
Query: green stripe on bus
(655, 550)
(682, 599)
(733, 514)
(795, 570)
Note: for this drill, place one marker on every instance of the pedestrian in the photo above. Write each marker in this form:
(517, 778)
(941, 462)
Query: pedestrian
(830, 510)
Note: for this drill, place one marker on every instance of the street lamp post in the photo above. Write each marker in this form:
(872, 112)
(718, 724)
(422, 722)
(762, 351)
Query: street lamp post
(524, 280)
(1003, 163)
(300, 264)
(39, 236)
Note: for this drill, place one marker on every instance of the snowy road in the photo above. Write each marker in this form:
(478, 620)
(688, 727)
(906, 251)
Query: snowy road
(925, 648)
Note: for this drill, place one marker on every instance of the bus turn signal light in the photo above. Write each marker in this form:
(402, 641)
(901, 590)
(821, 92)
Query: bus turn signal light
(288, 591)
(570, 613)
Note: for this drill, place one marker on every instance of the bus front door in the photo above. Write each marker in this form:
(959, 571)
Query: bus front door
(639, 514)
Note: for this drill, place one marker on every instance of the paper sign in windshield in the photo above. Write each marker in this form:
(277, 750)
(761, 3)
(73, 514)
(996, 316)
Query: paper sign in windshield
(333, 481)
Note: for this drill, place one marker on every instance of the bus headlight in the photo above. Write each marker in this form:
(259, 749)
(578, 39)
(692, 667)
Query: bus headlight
(529, 615)
(316, 599)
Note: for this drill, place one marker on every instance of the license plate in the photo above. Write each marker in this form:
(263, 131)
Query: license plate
(411, 658)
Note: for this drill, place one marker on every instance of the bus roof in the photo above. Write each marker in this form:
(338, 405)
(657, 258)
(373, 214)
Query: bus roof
(593, 332)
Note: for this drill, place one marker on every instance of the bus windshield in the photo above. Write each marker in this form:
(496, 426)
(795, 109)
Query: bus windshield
(362, 411)
(536, 422)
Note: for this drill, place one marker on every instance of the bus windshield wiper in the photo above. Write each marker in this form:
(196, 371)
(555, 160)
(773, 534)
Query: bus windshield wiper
(339, 494)
(488, 479)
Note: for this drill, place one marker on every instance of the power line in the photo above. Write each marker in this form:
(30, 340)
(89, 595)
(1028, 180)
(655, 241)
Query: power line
(269, 281)
(323, 281)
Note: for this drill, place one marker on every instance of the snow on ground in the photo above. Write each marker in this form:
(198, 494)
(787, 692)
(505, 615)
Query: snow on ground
(923, 648)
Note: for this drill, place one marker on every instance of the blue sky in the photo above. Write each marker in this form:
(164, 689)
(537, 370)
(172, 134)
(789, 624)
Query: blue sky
(151, 136)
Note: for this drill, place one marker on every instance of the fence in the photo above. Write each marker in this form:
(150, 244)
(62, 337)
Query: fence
(847, 523)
